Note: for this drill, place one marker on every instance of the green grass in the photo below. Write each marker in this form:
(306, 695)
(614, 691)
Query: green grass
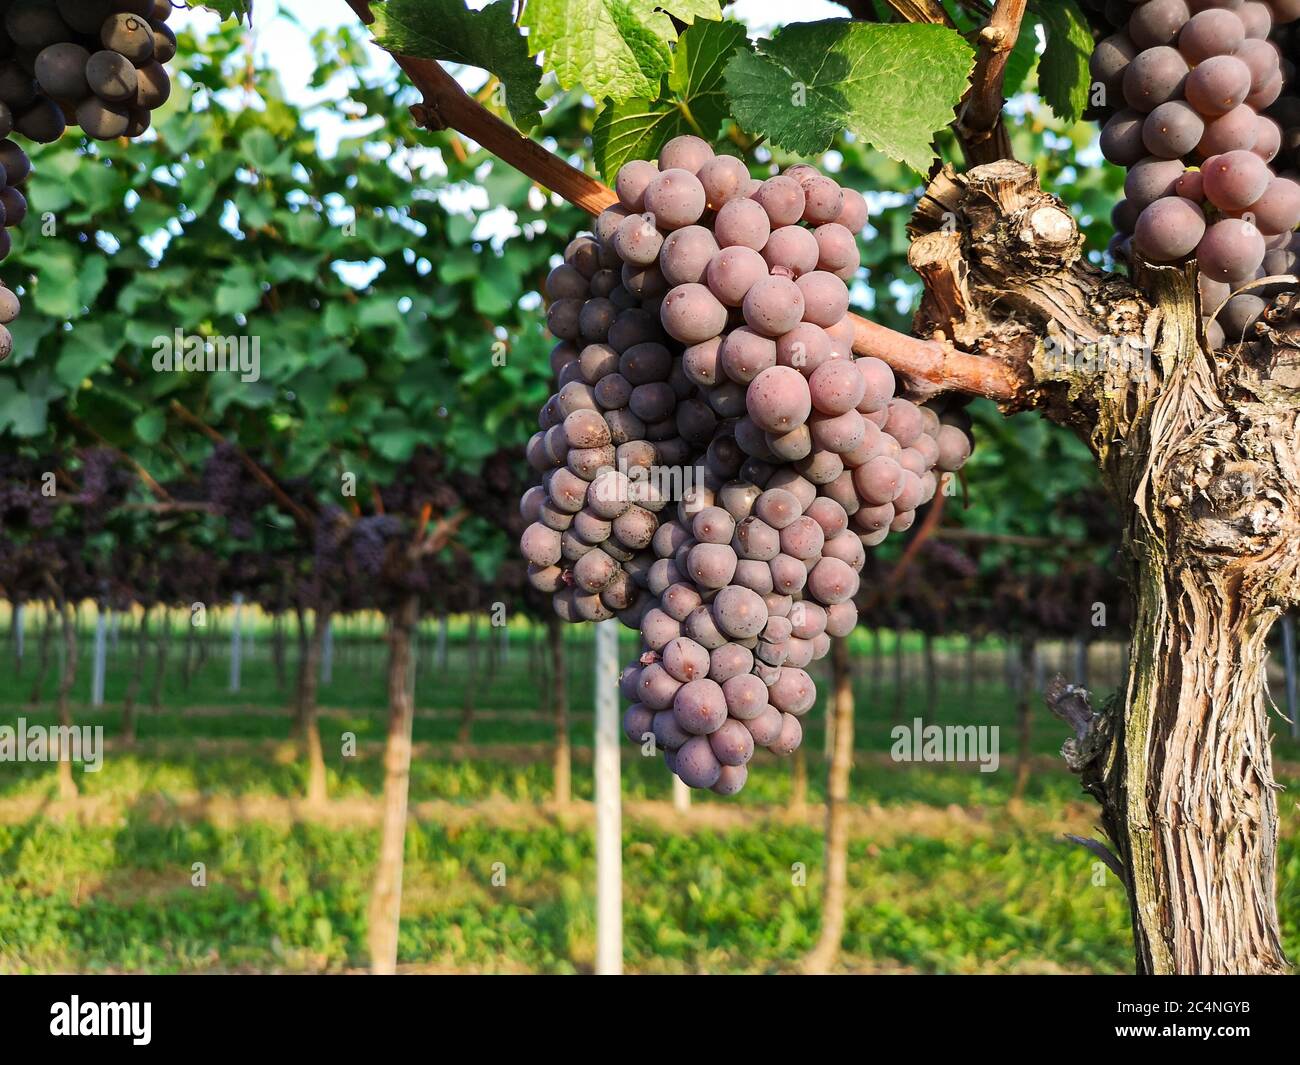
(294, 899)
(947, 880)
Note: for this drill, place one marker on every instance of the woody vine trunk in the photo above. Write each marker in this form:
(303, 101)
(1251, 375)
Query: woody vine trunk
(386, 896)
(1201, 454)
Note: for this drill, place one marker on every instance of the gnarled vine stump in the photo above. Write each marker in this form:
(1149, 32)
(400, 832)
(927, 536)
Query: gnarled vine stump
(1201, 452)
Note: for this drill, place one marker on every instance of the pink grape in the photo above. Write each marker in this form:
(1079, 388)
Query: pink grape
(777, 508)
(1238, 129)
(1151, 178)
(802, 539)
(696, 764)
(823, 200)
(803, 348)
(825, 298)
(739, 612)
(675, 198)
(1277, 210)
(1169, 229)
(1154, 76)
(1235, 180)
(837, 249)
(1173, 129)
(832, 581)
(794, 692)
(790, 737)
(783, 200)
(778, 399)
(700, 707)
(686, 254)
(1109, 59)
(638, 240)
(1121, 138)
(755, 539)
(792, 247)
(766, 726)
(711, 565)
(1157, 22)
(732, 744)
(773, 306)
(1209, 33)
(1218, 85)
(1231, 250)
(733, 271)
(789, 574)
(742, 222)
(954, 448)
(746, 696)
(745, 354)
(879, 481)
(631, 182)
(837, 387)
(686, 153)
(723, 177)
(692, 314)
(854, 215)
(840, 433)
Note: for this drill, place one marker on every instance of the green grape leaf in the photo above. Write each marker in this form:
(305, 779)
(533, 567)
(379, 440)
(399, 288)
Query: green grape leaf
(1063, 76)
(892, 85)
(24, 406)
(695, 101)
(149, 426)
(87, 349)
(488, 39)
(239, 291)
(231, 9)
(618, 49)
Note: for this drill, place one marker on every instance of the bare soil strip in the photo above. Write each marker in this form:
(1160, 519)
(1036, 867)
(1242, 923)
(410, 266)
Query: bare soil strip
(868, 821)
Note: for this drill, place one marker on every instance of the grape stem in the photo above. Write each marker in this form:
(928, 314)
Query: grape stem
(979, 124)
(930, 366)
(260, 475)
(927, 11)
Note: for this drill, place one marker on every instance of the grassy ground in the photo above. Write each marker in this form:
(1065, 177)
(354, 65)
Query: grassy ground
(191, 853)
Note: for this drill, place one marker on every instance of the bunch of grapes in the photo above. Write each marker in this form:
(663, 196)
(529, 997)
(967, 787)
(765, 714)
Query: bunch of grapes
(1197, 113)
(97, 64)
(716, 461)
(371, 536)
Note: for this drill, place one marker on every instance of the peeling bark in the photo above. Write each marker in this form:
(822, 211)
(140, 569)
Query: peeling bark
(1200, 452)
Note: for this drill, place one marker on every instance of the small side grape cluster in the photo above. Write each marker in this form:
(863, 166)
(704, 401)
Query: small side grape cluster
(97, 64)
(1197, 113)
(716, 461)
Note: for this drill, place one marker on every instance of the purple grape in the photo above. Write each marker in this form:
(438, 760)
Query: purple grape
(1169, 229)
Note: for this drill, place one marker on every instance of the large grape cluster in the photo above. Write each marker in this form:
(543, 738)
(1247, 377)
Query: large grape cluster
(97, 64)
(705, 328)
(1196, 93)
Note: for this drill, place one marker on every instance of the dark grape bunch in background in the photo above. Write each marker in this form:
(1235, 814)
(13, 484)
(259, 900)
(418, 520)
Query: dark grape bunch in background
(97, 64)
(1201, 97)
(704, 327)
